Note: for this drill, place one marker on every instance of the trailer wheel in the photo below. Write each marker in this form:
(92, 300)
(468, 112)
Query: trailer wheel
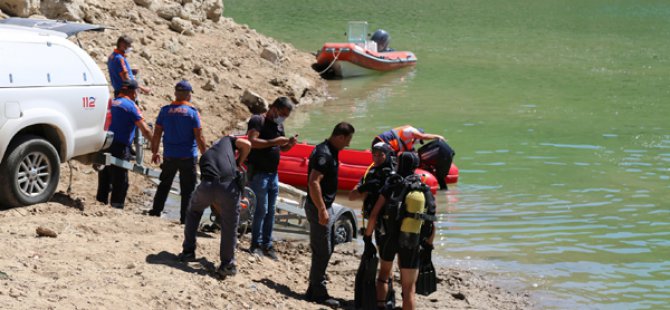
(343, 231)
(29, 172)
(247, 209)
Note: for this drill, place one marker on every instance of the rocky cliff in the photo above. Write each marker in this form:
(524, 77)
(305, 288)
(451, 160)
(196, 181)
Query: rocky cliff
(233, 68)
(229, 64)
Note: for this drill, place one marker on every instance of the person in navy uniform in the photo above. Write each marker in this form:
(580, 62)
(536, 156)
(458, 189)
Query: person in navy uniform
(125, 119)
(222, 183)
(322, 184)
(119, 67)
(179, 126)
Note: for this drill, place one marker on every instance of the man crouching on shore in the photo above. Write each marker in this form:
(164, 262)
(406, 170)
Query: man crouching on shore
(221, 184)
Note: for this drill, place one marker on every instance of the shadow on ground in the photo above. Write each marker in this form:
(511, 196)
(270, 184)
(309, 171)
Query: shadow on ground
(288, 292)
(66, 200)
(200, 266)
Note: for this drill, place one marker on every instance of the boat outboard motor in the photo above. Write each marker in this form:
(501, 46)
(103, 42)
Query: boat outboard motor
(382, 38)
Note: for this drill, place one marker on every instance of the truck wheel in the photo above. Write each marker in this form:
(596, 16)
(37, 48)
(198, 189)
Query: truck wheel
(342, 231)
(29, 174)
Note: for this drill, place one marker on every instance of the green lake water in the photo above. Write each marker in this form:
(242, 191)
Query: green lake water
(559, 115)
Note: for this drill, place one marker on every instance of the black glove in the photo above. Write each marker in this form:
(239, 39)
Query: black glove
(370, 249)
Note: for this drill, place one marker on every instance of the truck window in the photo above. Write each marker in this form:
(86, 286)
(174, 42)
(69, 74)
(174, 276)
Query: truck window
(25, 64)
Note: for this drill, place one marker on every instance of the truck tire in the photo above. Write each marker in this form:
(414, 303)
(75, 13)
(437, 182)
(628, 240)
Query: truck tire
(343, 231)
(29, 173)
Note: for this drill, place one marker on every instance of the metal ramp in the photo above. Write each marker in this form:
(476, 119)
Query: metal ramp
(290, 213)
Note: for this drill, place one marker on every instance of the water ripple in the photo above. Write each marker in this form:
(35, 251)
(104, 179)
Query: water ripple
(510, 230)
(623, 235)
(590, 190)
(574, 146)
(589, 204)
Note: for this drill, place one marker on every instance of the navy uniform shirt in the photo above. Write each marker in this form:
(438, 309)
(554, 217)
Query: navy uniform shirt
(265, 159)
(124, 115)
(324, 159)
(178, 120)
(117, 64)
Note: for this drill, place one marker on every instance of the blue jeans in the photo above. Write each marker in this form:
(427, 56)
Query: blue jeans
(266, 187)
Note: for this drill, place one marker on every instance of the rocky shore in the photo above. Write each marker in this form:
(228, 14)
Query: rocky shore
(102, 258)
(73, 252)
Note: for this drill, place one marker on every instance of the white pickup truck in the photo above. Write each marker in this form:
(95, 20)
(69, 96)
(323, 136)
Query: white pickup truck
(53, 104)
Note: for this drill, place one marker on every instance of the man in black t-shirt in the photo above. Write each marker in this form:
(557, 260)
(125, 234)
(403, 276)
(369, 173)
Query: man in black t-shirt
(219, 171)
(322, 185)
(267, 137)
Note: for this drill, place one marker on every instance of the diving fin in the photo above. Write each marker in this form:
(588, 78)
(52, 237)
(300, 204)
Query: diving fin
(365, 290)
(426, 283)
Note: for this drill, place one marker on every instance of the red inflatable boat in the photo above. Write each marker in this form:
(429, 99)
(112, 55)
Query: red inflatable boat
(353, 165)
(350, 59)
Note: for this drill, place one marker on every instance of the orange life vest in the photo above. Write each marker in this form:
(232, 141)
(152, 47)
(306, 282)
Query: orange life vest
(398, 139)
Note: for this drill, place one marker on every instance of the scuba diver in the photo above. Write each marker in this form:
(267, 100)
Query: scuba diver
(381, 168)
(368, 188)
(382, 38)
(408, 209)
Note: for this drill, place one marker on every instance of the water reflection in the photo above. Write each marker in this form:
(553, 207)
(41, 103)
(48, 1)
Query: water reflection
(352, 100)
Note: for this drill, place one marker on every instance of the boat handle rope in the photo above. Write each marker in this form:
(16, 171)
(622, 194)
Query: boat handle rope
(332, 62)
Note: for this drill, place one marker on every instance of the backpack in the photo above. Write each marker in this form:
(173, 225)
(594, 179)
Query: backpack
(412, 211)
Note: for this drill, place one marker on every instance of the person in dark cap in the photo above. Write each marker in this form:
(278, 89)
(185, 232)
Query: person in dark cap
(119, 67)
(178, 124)
(125, 119)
